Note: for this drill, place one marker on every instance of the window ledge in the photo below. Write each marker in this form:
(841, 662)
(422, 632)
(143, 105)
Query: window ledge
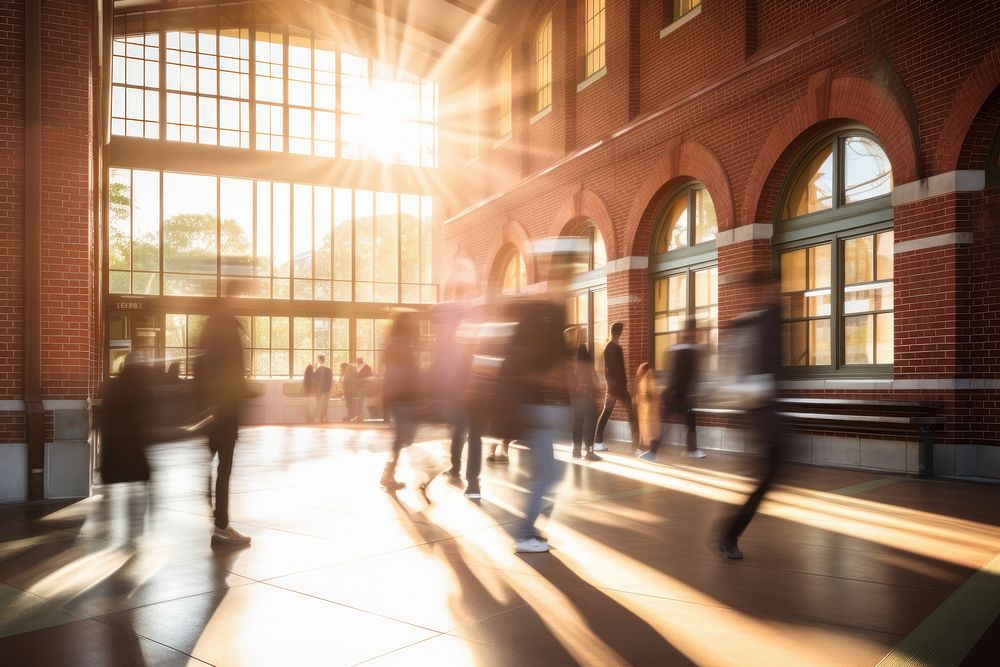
(677, 24)
(540, 115)
(586, 83)
(503, 140)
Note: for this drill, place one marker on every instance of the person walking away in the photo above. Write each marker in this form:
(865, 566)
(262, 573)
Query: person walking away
(647, 398)
(678, 397)
(220, 380)
(614, 374)
(400, 389)
(536, 377)
(759, 332)
(309, 391)
(348, 389)
(323, 382)
(583, 395)
(364, 374)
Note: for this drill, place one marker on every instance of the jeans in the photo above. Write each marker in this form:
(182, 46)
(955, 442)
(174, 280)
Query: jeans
(463, 424)
(404, 423)
(541, 425)
(584, 418)
(609, 405)
(770, 436)
(222, 441)
(690, 424)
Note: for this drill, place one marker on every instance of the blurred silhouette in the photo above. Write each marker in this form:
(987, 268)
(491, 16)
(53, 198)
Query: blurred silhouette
(678, 397)
(309, 390)
(400, 390)
(647, 398)
(755, 341)
(364, 375)
(323, 382)
(220, 381)
(583, 394)
(349, 389)
(124, 434)
(617, 390)
(503, 456)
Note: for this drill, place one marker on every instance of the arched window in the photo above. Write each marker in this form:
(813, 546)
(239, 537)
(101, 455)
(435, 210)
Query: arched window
(834, 243)
(515, 275)
(543, 65)
(587, 303)
(684, 274)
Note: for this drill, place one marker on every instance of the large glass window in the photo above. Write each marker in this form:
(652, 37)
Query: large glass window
(280, 240)
(515, 275)
(505, 91)
(837, 289)
(272, 86)
(688, 221)
(543, 65)
(587, 305)
(594, 38)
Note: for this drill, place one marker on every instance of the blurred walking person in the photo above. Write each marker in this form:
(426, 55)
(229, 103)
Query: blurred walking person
(756, 337)
(614, 373)
(364, 374)
(583, 395)
(309, 391)
(647, 399)
(400, 389)
(219, 377)
(678, 397)
(348, 389)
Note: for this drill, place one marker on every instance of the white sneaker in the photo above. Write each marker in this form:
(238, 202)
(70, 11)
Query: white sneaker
(532, 545)
(696, 454)
(229, 537)
(600, 447)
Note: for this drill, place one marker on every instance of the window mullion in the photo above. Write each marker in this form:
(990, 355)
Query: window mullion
(838, 351)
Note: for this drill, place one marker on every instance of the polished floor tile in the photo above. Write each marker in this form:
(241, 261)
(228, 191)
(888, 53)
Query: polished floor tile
(340, 572)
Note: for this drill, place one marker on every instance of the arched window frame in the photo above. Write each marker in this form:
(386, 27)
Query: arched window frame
(689, 261)
(520, 275)
(835, 227)
(543, 65)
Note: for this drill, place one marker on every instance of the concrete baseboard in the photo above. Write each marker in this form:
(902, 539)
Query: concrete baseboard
(13, 472)
(67, 469)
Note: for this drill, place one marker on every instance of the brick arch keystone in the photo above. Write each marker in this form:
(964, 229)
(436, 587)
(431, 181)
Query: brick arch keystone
(688, 160)
(840, 98)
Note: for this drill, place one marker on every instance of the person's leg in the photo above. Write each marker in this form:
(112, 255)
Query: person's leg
(578, 426)
(633, 423)
(767, 428)
(589, 422)
(540, 424)
(457, 425)
(324, 403)
(225, 451)
(474, 465)
(400, 426)
(691, 424)
(359, 407)
(609, 405)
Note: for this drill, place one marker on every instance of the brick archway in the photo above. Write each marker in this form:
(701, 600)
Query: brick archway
(683, 161)
(970, 98)
(850, 99)
(584, 205)
(513, 236)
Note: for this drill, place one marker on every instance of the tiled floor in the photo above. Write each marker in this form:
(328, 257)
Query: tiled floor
(340, 573)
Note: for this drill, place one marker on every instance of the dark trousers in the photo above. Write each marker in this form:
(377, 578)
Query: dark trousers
(405, 431)
(350, 405)
(690, 424)
(584, 417)
(610, 401)
(466, 425)
(222, 441)
(770, 436)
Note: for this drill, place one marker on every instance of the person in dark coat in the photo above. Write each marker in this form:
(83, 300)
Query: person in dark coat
(309, 391)
(614, 373)
(678, 397)
(400, 389)
(583, 396)
(124, 433)
(220, 380)
(764, 329)
(364, 383)
(322, 382)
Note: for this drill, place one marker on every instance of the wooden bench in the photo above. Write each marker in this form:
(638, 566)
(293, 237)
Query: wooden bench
(913, 418)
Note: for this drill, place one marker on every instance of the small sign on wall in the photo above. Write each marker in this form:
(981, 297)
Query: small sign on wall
(120, 344)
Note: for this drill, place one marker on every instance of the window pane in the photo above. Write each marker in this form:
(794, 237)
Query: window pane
(884, 256)
(236, 210)
(706, 225)
(867, 298)
(189, 224)
(884, 338)
(859, 339)
(813, 191)
(673, 232)
(793, 271)
(859, 260)
(867, 172)
(600, 250)
(281, 241)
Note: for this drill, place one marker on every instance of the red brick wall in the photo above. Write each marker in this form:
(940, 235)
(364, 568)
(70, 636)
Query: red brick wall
(67, 339)
(916, 74)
